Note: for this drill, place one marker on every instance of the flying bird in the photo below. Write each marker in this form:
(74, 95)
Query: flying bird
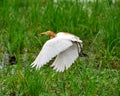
(64, 46)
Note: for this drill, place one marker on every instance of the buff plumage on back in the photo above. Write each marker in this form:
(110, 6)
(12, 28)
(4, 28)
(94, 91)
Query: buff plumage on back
(51, 48)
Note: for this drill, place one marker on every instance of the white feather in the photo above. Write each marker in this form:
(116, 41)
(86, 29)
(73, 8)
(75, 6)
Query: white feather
(50, 49)
(65, 59)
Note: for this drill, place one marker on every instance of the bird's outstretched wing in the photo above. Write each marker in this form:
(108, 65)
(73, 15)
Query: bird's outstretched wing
(50, 49)
(65, 59)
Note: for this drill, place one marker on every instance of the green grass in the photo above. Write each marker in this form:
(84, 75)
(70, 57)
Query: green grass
(96, 23)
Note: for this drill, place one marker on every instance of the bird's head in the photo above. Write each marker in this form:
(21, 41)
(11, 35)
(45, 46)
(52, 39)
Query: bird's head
(49, 33)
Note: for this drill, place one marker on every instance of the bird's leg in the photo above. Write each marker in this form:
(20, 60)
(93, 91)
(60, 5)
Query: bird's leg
(80, 51)
(81, 54)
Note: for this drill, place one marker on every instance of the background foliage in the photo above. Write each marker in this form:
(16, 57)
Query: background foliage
(96, 23)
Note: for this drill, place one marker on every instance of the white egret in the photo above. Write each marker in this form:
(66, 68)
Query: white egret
(64, 46)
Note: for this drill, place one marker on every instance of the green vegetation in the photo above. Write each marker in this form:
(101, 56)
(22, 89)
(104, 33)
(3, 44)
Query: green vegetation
(96, 23)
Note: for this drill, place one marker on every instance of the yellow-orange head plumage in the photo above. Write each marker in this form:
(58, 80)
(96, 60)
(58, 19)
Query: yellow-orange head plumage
(49, 33)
